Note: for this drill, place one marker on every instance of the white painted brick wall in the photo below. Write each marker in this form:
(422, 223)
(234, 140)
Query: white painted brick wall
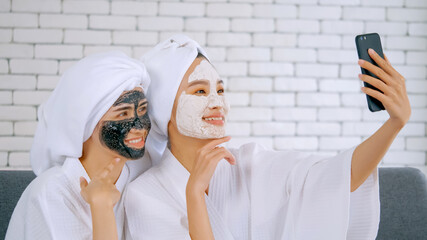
(418, 29)
(320, 12)
(4, 66)
(17, 82)
(63, 21)
(6, 128)
(5, 97)
(89, 7)
(295, 114)
(299, 26)
(15, 143)
(18, 20)
(290, 66)
(274, 39)
(112, 22)
(207, 24)
(248, 54)
(134, 8)
(25, 128)
(228, 10)
(294, 55)
(36, 6)
(318, 129)
(87, 37)
(16, 51)
(273, 129)
(59, 51)
(37, 35)
(273, 99)
(301, 85)
(252, 25)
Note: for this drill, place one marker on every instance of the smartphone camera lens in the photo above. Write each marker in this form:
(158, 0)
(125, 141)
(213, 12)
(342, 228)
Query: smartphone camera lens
(361, 38)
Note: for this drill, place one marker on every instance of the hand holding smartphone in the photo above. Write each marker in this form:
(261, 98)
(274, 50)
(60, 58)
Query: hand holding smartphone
(363, 44)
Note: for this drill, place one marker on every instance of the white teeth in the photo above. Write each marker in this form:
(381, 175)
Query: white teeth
(136, 140)
(214, 118)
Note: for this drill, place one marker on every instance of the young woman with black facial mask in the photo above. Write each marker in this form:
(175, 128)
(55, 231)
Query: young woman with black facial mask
(94, 122)
(202, 190)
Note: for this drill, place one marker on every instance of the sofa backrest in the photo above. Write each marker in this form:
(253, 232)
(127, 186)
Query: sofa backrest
(12, 184)
(403, 197)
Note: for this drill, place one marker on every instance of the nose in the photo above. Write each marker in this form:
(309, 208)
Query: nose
(216, 108)
(137, 123)
(214, 102)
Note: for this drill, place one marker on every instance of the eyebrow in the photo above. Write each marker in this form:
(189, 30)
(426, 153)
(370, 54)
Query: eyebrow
(204, 82)
(123, 108)
(141, 102)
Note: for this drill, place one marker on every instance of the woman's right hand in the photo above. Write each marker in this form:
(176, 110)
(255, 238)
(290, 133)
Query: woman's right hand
(205, 164)
(101, 191)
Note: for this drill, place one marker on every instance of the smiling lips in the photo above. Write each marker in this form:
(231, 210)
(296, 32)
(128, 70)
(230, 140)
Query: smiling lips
(214, 120)
(135, 142)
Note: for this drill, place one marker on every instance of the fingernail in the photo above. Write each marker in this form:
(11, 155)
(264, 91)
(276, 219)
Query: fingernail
(371, 50)
(117, 159)
(359, 75)
(360, 62)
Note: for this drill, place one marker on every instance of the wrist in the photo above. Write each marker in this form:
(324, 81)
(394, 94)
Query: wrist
(398, 124)
(193, 190)
(101, 204)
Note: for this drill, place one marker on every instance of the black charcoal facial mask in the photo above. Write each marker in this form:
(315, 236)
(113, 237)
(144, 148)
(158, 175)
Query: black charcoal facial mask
(114, 133)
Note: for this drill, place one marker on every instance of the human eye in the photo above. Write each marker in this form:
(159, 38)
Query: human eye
(142, 109)
(201, 91)
(122, 114)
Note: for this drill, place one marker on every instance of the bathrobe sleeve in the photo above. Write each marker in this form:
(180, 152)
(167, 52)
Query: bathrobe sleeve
(45, 211)
(296, 195)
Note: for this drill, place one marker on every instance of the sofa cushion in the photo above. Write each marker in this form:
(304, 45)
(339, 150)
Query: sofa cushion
(12, 184)
(403, 197)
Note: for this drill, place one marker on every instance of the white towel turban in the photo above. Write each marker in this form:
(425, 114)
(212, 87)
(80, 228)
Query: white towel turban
(83, 95)
(166, 64)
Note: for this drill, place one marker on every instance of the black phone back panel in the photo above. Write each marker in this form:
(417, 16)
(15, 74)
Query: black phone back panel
(363, 43)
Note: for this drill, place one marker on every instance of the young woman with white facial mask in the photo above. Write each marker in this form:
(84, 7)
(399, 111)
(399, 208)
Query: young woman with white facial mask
(201, 190)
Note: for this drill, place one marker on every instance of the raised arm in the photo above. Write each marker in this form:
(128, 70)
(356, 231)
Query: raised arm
(102, 195)
(393, 96)
(198, 183)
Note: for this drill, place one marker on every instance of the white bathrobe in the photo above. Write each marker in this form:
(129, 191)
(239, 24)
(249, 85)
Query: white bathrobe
(51, 207)
(267, 195)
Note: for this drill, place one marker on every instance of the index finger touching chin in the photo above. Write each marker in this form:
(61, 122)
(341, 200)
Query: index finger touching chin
(217, 142)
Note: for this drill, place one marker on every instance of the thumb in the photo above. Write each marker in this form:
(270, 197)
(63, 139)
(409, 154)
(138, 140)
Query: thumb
(83, 182)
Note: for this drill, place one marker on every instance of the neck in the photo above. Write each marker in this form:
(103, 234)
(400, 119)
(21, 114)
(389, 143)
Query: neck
(185, 148)
(95, 160)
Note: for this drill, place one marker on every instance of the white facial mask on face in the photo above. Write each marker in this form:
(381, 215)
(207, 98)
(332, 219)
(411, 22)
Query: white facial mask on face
(191, 108)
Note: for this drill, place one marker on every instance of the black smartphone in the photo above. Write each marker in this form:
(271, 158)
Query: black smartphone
(363, 43)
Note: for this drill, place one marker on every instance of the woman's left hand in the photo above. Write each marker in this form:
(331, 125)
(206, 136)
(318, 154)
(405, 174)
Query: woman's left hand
(392, 86)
